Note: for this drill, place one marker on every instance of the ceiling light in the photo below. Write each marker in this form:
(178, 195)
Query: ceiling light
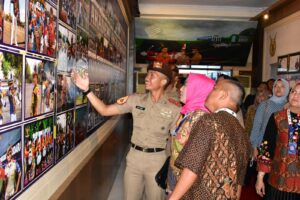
(266, 16)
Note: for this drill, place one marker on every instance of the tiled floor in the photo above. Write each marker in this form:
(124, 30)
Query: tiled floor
(116, 192)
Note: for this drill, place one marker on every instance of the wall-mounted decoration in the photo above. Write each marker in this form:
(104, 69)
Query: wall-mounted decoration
(289, 64)
(65, 98)
(67, 12)
(81, 122)
(10, 87)
(42, 28)
(83, 13)
(218, 42)
(14, 23)
(294, 65)
(10, 163)
(38, 148)
(64, 141)
(39, 81)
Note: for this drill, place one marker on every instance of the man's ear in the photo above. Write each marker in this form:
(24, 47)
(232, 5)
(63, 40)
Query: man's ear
(223, 94)
(164, 82)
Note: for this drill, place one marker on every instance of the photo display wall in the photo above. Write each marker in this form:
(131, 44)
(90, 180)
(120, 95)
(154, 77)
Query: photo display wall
(43, 115)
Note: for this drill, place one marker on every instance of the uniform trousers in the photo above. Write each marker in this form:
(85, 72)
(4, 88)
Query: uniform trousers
(139, 178)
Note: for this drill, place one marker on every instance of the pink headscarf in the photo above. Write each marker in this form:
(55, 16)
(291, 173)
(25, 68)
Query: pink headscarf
(198, 87)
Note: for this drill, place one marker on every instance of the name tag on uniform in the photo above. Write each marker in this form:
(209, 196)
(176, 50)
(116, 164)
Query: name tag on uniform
(140, 108)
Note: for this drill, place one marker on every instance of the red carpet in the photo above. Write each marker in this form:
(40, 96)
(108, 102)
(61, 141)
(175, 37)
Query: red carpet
(248, 191)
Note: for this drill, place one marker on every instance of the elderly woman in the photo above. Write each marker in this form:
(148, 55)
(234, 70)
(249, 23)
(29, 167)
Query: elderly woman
(193, 95)
(279, 153)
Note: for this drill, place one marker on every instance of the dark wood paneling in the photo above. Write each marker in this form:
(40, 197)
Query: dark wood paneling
(97, 177)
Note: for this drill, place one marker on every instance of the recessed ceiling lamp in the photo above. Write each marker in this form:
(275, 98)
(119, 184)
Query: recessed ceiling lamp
(266, 16)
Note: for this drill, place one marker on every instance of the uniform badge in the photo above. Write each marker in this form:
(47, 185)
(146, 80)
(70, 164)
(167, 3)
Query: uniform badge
(140, 108)
(122, 100)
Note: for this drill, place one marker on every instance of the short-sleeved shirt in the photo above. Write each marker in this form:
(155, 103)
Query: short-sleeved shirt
(217, 151)
(151, 120)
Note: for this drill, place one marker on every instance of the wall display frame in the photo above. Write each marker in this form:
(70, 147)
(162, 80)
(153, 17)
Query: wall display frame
(11, 79)
(10, 162)
(38, 148)
(39, 84)
(13, 23)
(289, 64)
(42, 28)
(67, 11)
(64, 141)
(83, 13)
(80, 124)
(43, 115)
(81, 61)
(65, 98)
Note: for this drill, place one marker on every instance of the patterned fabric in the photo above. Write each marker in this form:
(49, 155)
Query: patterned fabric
(178, 143)
(250, 118)
(217, 151)
(284, 168)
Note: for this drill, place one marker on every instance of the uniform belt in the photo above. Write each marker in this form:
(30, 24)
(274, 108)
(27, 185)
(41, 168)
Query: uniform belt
(148, 150)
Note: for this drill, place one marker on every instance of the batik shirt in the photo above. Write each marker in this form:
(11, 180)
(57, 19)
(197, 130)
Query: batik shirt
(217, 151)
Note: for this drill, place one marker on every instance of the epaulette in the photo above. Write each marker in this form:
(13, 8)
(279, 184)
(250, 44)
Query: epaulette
(173, 101)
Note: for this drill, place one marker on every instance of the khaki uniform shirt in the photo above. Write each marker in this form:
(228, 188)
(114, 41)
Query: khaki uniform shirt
(151, 120)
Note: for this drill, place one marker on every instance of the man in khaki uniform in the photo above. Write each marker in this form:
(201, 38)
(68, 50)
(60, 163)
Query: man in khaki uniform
(153, 116)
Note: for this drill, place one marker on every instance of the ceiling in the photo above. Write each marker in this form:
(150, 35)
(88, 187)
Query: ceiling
(203, 9)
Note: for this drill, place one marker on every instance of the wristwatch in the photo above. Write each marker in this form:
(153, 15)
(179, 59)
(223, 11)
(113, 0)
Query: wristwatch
(86, 92)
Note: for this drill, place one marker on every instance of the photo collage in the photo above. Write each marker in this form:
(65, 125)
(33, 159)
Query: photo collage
(43, 115)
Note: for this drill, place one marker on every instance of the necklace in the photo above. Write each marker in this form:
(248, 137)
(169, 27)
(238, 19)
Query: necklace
(293, 142)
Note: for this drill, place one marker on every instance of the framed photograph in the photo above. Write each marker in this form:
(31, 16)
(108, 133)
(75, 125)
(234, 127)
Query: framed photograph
(10, 163)
(14, 23)
(11, 74)
(282, 64)
(81, 121)
(38, 148)
(42, 28)
(83, 13)
(91, 112)
(65, 98)
(294, 65)
(64, 141)
(39, 87)
(67, 11)
(81, 61)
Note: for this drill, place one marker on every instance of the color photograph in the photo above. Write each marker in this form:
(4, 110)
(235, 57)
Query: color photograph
(1, 20)
(83, 13)
(205, 42)
(39, 95)
(14, 23)
(42, 28)
(64, 141)
(67, 9)
(10, 163)
(81, 61)
(81, 117)
(91, 112)
(66, 90)
(10, 87)
(38, 148)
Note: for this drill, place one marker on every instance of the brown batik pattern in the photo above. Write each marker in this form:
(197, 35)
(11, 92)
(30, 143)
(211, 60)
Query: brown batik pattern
(220, 172)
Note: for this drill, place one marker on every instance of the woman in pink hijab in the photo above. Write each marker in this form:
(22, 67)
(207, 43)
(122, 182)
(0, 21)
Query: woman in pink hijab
(193, 95)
